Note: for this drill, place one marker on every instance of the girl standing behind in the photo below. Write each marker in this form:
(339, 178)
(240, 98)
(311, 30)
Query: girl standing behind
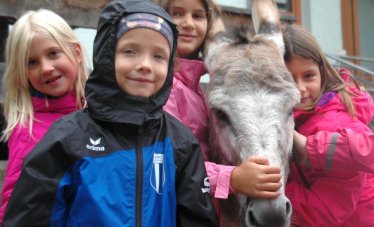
(194, 19)
(44, 81)
(322, 190)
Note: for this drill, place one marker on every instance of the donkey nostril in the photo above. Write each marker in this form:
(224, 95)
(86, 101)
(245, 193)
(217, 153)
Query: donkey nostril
(288, 208)
(252, 219)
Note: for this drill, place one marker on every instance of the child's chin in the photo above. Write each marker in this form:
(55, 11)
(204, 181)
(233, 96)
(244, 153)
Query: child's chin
(140, 94)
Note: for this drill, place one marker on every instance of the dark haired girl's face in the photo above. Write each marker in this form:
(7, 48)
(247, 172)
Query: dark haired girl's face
(306, 73)
(191, 20)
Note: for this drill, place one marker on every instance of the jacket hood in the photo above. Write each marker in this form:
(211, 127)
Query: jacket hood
(363, 103)
(106, 100)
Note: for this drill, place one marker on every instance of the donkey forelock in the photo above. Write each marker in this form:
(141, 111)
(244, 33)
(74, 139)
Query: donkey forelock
(250, 64)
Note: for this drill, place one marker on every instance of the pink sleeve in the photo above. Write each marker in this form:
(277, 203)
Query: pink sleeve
(343, 149)
(320, 205)
(20, 144)
(219, 178)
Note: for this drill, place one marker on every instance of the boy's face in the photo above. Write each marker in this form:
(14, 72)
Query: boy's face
(141, 61)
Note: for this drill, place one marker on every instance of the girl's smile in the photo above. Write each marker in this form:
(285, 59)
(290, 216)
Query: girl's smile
(186, 38)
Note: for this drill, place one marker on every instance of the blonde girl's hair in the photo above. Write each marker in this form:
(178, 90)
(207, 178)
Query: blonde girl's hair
(212, 10)
(18, 109)
(299, 42)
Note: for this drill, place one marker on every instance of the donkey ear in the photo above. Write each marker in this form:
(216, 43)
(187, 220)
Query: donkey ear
(213, 49)
(216, 27)
(213, 42)
(266, 21)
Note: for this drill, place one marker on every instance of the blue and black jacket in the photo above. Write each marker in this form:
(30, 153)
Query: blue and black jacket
(122, 161)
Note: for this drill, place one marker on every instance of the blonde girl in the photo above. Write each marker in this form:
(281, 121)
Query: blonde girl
(44, 81)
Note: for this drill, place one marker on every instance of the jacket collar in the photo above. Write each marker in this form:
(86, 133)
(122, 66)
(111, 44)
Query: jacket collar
(363, 103)
(189, 72)
(64, 105)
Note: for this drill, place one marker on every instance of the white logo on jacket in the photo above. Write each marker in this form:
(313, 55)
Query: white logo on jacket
(95, 142)
(206, 186)
(157, 177)
(94, 145)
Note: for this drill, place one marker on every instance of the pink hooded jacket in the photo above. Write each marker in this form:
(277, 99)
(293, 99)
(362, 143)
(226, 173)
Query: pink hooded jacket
(331, 189)
(20, 142)
(187, 104)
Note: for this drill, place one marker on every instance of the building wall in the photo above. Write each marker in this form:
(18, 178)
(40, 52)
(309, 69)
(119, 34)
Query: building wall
(86, 36)
(323, 19)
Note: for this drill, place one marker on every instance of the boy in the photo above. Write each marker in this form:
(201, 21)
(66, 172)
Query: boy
(122, 161)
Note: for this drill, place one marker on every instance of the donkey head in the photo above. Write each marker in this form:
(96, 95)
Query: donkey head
(251, 96)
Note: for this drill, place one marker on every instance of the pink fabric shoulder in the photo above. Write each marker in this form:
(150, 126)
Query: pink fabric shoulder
(187, 104)
(21, 143)
(187, 101)
(362, 100)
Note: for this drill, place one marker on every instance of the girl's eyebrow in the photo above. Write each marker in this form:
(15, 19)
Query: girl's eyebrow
(311, 70)
(182, 8)
(177, 8)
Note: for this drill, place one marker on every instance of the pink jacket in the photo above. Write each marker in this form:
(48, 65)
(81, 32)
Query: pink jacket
(354, 151)
(20, 143)
(330, 189)
(187, 104)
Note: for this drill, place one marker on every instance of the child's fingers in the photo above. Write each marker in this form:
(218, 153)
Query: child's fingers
(271, 187)
(272, 178)
(266, 194)
(258, 160)
(272, 170)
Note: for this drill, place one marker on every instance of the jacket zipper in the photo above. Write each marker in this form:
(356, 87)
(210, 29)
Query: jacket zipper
(139, 179)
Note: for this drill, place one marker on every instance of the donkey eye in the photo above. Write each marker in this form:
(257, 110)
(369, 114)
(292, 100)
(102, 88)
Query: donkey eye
(220, 114)
(289, 114)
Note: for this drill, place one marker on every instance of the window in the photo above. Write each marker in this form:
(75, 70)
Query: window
(242, 6)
